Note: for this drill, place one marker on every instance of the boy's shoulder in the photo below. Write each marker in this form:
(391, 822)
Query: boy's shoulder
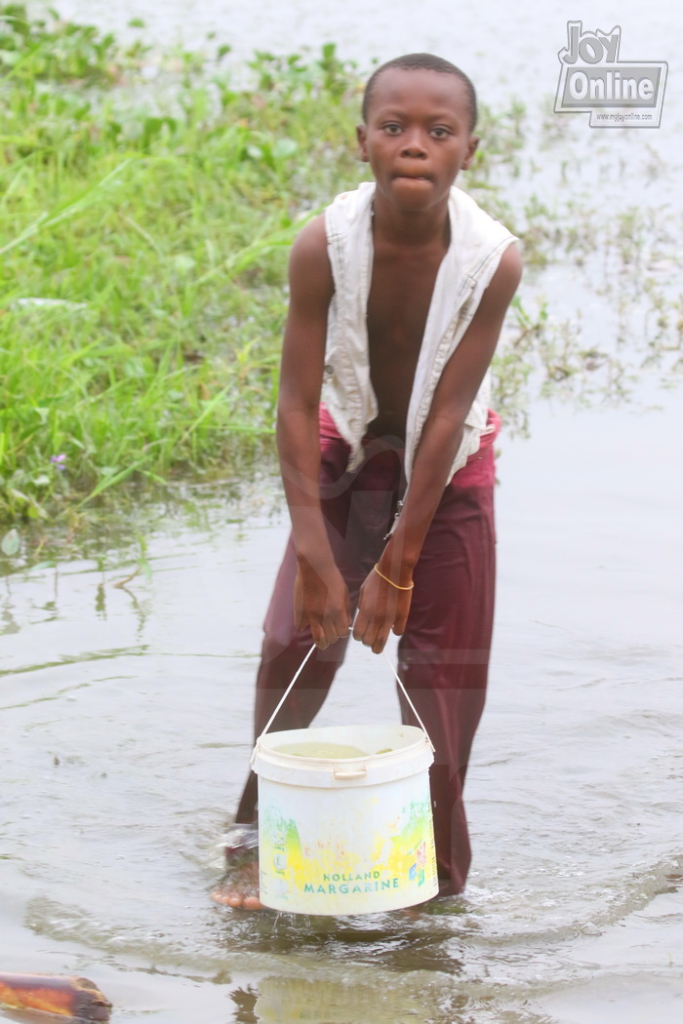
(309, 265)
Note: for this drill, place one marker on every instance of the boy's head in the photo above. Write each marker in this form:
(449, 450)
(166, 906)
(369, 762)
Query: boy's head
(419, 113)
(427, 62)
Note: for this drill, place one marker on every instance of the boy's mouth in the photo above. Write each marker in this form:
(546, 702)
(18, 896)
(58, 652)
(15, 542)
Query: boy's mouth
(414, 177)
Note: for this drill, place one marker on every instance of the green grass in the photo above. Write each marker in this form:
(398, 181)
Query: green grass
(142, 276)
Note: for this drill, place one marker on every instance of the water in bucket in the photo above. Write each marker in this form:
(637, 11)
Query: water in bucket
(334, 751)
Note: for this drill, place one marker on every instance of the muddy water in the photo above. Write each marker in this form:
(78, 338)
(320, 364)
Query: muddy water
(126, 724)
(125, 713)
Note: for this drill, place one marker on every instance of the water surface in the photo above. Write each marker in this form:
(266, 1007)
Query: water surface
(126, 727)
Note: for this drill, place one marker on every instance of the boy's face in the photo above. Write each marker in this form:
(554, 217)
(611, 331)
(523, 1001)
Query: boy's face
(417, 135)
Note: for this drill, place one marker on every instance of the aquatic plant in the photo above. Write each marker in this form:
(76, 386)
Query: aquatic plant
(55, 50)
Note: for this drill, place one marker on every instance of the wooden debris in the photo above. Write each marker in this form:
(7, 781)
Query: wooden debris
(66, 997)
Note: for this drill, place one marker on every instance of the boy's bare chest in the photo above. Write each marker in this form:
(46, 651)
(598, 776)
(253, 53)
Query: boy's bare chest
(398, 305)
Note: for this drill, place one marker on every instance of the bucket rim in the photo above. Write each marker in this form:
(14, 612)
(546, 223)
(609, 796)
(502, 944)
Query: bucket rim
(264, 749)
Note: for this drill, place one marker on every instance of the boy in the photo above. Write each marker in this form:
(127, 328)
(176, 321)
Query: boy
(397, 297)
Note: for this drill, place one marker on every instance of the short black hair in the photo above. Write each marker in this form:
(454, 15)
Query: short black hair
(428, 62)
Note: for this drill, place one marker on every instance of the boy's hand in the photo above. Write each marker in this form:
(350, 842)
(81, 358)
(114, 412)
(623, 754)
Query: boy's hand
(321, 601)
(381, 608)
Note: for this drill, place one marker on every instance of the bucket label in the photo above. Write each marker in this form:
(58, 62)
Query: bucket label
(371, 881)
(342, 863)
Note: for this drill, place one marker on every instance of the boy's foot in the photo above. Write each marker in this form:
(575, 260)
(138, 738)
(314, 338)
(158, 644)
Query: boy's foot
(240, 884)
(239, 888)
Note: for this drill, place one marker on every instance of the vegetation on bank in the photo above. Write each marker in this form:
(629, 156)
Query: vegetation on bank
(145, 231)
(147, 204)
(143, 249)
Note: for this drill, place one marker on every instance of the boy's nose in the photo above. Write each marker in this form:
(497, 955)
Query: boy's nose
(413, 145)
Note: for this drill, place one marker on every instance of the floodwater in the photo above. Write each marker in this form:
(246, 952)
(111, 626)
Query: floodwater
(126, 725)
(126, 710)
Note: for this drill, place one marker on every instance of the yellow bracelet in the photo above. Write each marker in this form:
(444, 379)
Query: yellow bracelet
(398, 587)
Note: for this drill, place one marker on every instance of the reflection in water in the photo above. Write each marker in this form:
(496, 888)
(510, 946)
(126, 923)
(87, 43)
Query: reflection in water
(245, 1003)
(299, 1001)
(9, 623)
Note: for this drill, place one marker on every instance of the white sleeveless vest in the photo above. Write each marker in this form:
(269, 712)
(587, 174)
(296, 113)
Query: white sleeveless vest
(477, 244)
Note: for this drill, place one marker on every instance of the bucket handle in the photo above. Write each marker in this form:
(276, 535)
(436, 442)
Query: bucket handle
(410, 703)
(300, 669)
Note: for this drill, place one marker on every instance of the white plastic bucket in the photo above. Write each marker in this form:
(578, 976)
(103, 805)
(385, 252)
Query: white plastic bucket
(346, 835)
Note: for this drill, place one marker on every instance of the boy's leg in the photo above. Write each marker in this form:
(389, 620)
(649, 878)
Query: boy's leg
(444, 653)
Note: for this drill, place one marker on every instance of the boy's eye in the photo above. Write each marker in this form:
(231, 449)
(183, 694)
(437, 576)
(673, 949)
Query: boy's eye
(392, 128)
(440, 133)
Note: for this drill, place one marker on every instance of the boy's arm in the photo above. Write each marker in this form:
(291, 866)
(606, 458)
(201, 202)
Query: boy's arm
(321, 598)
(382, 606)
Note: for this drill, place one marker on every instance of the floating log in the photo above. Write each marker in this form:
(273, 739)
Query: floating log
(66, 997)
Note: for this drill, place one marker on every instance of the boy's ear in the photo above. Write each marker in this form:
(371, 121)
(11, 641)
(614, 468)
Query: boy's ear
(362, 135)
(471, 150)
